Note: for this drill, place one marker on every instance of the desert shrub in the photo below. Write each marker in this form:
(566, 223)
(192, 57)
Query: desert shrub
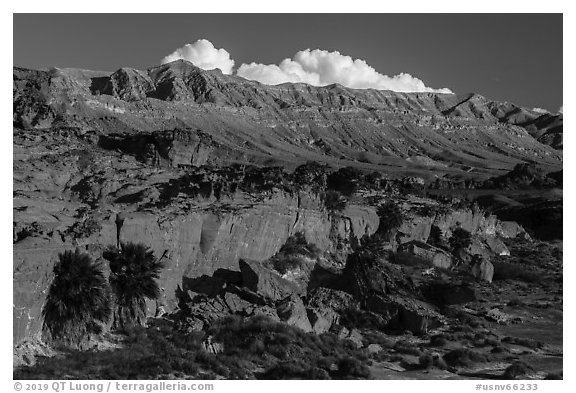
(294, 369)
(438, 340)
(516, 302)
(407, 348)
(285, 263)
(460, 239)
(515, 271)
(133, 273)
(345, 180)
(377, 337)
(293, 253)
(391, 218)
(351, 368)
(297, 245)
(498, 348)
(334, 201)
(524, 342)
(436, 237)
(274, 346)
(517, 369)
(85, 228)
(463, 357)
(78, 302)
(431, 360)
(311, 174)
(554, 376)
(374, 244)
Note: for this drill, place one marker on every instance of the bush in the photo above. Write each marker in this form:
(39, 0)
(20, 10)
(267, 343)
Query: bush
(311, 174)
(297, 245)
(284, 263)
(515, 271)
(334, 201)
(524, 342)
(463, 357)
(436, 237)
(275, 345)
(133, 273)
(345, 180)
(350, 368)
(460, 239)
(78, 303)
(517, 369)
(391, 218)
(438, 340)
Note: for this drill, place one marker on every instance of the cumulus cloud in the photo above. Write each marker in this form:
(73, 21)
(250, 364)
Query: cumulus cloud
(540, 110)
(315, 67)
(203, 55)
(561, 110)
(320, 67)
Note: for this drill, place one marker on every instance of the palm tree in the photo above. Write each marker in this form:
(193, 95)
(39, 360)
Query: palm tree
(391, 218)
(78, 303)
(460, 240)
(133, 273)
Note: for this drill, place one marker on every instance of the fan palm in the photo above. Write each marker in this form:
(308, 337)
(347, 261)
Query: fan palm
(78, 303)
(133, 273)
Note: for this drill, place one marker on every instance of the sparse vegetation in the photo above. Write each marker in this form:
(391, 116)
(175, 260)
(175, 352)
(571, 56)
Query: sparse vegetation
(78, 305)
(345, 180)
(515, 271)
(334, 201)
(463, 357)
(517, 369)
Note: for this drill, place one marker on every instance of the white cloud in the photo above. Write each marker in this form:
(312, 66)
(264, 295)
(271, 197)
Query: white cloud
(203, 55)
(316, 67)
(540, 110)
(561, 110)
(319, 68)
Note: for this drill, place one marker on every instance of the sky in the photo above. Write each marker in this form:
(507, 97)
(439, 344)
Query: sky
(509, 57)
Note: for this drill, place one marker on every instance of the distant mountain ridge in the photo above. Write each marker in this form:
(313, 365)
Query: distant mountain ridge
(431, 134)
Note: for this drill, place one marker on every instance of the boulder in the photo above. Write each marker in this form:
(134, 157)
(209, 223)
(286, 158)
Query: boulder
(403, 313)
(417, 316)
(374, 348)
(483, 269)
(291, 310)
(365, 275)
(322, 319)
(331, 298)
(353, 335)
(497, 246)
(235, 304)
(416, 252)
(356, 337)
(265, 281)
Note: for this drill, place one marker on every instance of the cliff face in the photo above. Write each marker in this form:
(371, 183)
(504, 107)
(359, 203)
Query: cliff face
(198, 242)
(425, 133)
(191, 244)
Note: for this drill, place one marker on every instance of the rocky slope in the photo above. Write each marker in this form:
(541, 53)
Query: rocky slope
(245, 121)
